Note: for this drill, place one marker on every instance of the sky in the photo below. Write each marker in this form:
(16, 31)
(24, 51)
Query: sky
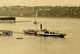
(40, 2)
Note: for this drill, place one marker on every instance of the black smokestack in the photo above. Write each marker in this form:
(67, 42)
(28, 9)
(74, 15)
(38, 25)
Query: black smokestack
(40, 26)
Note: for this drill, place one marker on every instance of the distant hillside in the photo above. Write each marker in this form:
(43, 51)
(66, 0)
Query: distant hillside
(44, 11)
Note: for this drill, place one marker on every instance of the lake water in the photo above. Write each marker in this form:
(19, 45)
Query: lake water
(41, 45)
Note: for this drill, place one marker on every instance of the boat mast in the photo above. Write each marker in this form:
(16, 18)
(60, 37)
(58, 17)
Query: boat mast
(35, 22)
(36, 14)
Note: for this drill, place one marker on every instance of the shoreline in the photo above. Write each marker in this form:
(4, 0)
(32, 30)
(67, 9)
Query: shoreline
(42, 17)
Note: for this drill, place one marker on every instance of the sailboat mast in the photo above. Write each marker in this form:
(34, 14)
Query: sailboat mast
(35, 22)
(36, 14)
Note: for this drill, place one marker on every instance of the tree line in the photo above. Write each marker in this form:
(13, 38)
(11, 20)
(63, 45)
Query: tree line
(43, 11)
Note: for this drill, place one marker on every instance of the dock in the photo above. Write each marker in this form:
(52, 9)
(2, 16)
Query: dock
(7, 19)
(6, 33)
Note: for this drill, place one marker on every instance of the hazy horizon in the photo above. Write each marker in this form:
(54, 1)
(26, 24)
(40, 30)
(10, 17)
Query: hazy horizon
(40, 3)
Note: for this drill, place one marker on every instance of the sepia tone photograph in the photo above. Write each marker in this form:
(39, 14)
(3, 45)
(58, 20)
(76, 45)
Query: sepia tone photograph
(39, 26)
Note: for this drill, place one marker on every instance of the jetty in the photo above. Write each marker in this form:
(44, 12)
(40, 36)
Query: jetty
(7, 19)
(6, 33)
